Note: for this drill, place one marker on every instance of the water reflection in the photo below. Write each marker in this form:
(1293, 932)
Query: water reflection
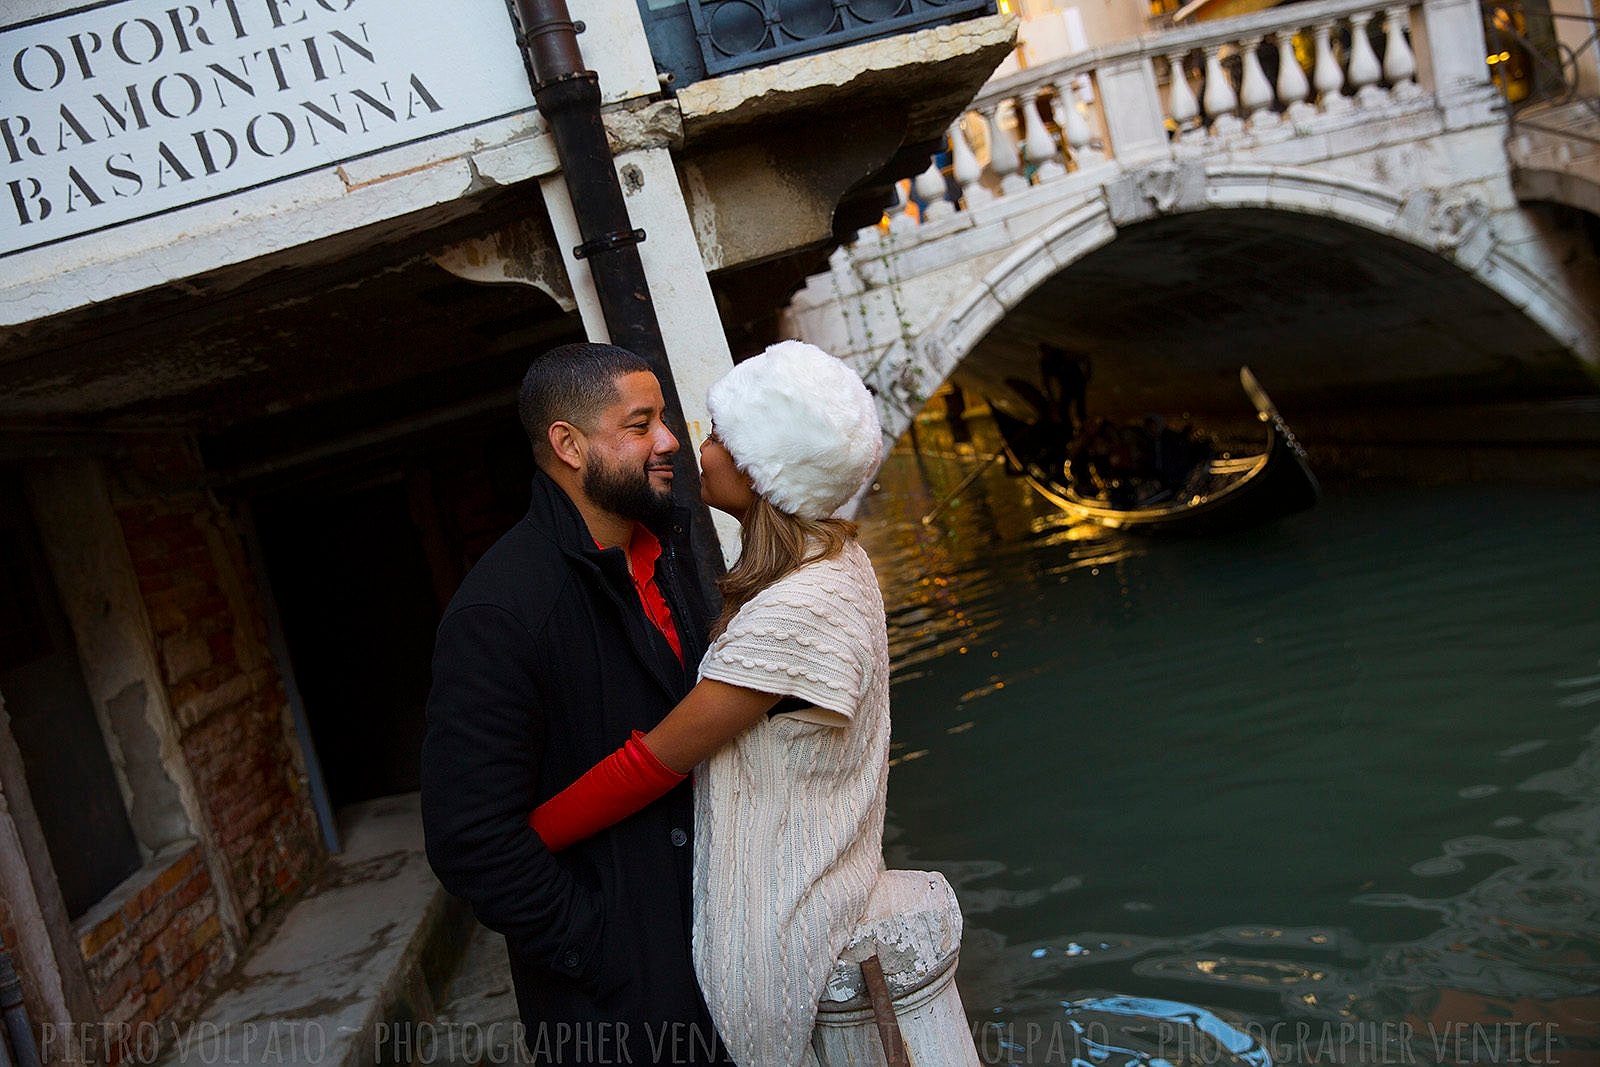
(1340, 773)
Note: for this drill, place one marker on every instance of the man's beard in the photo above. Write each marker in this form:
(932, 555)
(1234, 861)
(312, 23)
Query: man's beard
(627, 493)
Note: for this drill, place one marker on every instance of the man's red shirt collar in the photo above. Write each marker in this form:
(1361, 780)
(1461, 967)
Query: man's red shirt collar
(644, 550)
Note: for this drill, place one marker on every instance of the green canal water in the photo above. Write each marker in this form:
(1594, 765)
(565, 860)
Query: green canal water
(1326, 792)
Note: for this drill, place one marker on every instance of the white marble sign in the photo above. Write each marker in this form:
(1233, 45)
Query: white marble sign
(130, 109)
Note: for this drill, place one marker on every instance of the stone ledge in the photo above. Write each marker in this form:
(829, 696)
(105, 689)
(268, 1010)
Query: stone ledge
(356, 953)
(952, 60)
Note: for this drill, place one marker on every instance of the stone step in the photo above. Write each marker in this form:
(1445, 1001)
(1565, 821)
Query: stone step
(477, 1019)
(365, 952)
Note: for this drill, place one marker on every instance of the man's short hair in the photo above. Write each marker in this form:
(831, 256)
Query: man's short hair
(571, 383)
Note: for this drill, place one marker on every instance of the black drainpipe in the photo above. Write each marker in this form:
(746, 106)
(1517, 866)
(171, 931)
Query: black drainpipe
(569, 98)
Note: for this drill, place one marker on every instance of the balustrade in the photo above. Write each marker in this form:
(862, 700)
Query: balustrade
(1080, 141)
(1040, 148)
(1294, 89)
(1219, 98)
(1182, 105)
(1004, 160)
(1364, 70)
(1255, 92)
(966, 169)
(1399, 63)
(1326, 76)
(929, 187)
(1222, 78)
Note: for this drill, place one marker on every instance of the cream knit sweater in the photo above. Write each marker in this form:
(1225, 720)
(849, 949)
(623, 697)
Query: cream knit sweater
(789, 816)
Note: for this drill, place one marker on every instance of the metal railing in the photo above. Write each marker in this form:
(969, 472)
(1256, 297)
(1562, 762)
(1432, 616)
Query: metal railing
(735, 34)
(694, 39)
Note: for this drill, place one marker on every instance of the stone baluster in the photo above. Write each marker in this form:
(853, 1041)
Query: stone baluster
(1399, 64)
(1293, 88)
(1363, 71)
(899, 213)
(1220, 100)
(1039, 147)
(1181, 102)
(965, 168)
(1255, 92)
(1079, 140)
(930, 189)
(1004, 161)
(1326, 77)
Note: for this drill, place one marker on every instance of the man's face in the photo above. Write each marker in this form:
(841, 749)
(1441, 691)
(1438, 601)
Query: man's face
(627, 466)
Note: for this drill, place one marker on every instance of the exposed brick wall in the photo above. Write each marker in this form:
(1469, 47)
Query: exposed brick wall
(226, 694)
(155, 958)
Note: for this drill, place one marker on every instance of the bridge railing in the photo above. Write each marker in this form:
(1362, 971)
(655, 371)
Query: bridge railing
(1204, 87)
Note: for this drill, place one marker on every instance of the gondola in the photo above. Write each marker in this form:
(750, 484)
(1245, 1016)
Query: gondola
(1234, 493)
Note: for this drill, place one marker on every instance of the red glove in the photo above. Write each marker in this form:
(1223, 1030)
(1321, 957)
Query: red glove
(610, 791)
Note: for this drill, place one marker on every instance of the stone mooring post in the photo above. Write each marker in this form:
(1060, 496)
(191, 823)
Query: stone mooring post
(913, 925)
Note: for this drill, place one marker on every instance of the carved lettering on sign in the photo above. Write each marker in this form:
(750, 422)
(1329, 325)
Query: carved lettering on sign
(133, 109)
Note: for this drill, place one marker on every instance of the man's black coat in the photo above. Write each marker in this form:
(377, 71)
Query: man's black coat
(544, 663)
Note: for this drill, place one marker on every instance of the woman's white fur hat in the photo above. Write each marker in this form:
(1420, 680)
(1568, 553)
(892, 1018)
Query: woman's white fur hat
(801, 424)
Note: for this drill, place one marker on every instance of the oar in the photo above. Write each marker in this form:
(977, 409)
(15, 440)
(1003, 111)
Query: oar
(927, 519)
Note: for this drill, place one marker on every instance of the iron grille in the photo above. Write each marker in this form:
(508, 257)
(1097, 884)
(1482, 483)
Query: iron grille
(735, 34)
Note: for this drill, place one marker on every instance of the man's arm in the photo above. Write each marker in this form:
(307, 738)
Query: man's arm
(480, 760)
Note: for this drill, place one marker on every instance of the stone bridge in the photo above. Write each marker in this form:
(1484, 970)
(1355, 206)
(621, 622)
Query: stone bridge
(1330, 191)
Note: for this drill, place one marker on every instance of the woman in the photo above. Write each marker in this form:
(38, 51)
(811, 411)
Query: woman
(789, 724)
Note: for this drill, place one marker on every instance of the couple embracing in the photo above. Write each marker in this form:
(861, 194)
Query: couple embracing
(578, 680)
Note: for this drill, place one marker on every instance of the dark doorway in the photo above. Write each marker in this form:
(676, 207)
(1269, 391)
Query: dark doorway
(361, 566)
(353, 588)
(70, 780)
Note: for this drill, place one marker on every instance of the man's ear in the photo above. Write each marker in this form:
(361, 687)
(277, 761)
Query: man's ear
(567, 443)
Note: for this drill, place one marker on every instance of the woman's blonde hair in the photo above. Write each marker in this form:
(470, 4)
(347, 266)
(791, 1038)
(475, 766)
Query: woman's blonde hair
(776, 544)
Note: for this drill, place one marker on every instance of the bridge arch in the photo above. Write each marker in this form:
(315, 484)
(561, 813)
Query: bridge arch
(1468, 247)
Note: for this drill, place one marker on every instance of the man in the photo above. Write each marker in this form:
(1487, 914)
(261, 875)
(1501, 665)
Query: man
(1065, 378)
(576, 628)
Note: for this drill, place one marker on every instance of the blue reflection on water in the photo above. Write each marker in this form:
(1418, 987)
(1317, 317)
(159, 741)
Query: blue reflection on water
(1243, 1047)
